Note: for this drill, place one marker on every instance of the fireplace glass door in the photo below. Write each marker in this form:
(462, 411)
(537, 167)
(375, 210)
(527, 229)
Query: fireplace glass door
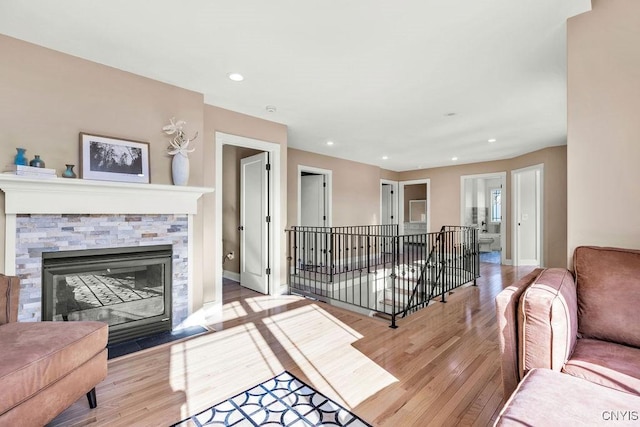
(127, 288)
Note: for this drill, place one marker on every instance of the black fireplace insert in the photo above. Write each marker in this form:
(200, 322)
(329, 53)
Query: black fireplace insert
(128, 288)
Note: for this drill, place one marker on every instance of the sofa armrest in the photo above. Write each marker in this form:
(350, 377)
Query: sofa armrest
(9, 293)
(547, 321)
(507, 315)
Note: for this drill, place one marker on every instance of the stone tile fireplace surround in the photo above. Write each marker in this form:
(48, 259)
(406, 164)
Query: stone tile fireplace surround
(64, 215)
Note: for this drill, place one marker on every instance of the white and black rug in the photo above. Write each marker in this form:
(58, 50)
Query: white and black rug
(281, 401)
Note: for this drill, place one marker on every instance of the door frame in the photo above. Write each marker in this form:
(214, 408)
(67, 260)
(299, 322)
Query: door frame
(539, 214)
(401, 186)
(503, 209)
(394, 207)
(328, 190)
(275, 208)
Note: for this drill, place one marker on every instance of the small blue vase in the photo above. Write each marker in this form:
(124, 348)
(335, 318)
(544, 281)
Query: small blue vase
(69, 173)
(37, 162)
(20, 158)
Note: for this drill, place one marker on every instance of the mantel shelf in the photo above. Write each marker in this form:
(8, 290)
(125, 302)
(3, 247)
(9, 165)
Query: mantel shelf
(78, 196)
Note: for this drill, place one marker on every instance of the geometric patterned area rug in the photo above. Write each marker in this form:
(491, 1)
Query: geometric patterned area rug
(281, 401)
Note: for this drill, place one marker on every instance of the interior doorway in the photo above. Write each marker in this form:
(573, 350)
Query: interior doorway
(527, 211)
(482, 205)
(388, 202)
(414, 218)
(258, 250)
(314, 196)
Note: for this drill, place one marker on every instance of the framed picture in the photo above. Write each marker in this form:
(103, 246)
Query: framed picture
(111, 159)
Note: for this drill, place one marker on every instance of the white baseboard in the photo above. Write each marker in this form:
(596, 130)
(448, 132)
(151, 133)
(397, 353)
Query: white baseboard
(231, 275)
(507, 262)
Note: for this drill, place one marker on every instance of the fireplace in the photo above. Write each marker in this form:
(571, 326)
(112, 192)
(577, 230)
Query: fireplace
(127, 287)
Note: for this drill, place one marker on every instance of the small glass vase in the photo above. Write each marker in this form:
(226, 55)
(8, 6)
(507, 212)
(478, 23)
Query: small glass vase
(37, 162)
(20, 158)
(69, 173)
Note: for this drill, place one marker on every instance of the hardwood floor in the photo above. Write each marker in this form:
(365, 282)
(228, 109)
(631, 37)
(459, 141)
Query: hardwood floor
(439, 368)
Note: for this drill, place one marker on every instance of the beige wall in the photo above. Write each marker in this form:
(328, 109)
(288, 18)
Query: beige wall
(358, 185)
(220, 120)
(445, 196)
(49, 97)
(603, 130)
(355, 189)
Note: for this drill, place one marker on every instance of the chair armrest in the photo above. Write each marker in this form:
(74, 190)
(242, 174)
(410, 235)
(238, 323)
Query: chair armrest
(547, 321)
(9, 293)
(507, 316)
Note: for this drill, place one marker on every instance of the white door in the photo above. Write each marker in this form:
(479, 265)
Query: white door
(313, 200)
(387, 204)
(527, 217)
(254, 230)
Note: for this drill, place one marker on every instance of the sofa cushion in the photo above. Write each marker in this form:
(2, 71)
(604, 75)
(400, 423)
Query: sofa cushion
(547, 321)
(548, 398)
(608, 282)
(612, 365)
(35, 355)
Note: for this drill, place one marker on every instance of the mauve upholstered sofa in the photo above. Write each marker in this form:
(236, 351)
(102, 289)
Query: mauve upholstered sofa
(584, 325)
(45, 366)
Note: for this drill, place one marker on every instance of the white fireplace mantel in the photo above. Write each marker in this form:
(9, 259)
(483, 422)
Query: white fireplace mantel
(85, 197)
(79, 196)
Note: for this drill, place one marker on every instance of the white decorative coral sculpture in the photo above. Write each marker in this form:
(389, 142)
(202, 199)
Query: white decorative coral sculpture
(179, 144)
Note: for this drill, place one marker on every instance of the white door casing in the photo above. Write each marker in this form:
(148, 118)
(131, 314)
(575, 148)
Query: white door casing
(527, 215)
(254, 234)
(312, 200)
(400, 198)
(327, 192)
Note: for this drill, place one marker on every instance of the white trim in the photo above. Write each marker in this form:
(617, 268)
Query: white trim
(190, 258)
(328, 173)
(231, 275)
(275, 208)
(539, 213)
(82, 196)
(503, 179)
(394, 208)
(402, 184)
(10, 245)
(508, 262)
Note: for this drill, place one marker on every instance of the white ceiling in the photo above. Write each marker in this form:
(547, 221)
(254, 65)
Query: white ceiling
(376, 77)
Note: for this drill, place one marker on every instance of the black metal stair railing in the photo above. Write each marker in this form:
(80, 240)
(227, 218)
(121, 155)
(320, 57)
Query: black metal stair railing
(377, 270)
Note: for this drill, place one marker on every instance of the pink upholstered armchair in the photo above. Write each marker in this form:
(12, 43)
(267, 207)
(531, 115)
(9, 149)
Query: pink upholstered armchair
(586, 324)
(46, 366)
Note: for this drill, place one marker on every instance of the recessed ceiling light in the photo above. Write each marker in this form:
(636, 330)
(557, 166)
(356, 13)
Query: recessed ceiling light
(329, 142)
(385, 157)
(271, 108)
(491, 140)
(453, 159)
(236, 77)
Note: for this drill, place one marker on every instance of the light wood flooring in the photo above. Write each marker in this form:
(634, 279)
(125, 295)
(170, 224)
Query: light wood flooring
(439, 368)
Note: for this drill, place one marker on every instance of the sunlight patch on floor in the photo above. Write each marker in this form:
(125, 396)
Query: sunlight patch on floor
(332, 365)
(251, 361)
(266, 302)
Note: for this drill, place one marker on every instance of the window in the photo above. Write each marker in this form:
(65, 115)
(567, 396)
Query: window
(496, 205)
